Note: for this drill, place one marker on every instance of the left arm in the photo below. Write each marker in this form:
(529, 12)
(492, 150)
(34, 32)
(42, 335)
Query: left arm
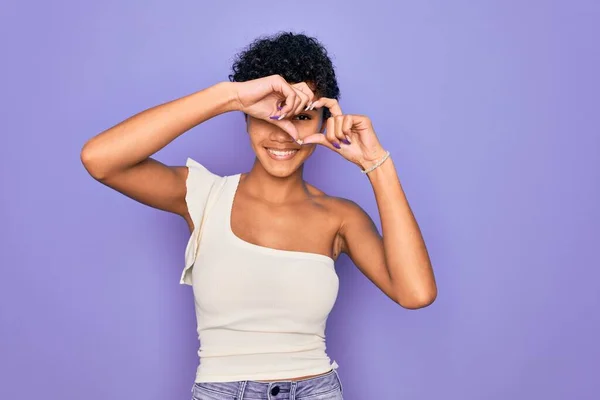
(398, 262)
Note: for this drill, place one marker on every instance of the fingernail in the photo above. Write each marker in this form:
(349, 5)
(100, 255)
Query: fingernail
(300, 141)
(348, 139)
(282, 117)
(337, 146)
(345, 141)
(274, 117)
(279, 107)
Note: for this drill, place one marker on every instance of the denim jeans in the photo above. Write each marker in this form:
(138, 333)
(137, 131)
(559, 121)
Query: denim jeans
(323, 387)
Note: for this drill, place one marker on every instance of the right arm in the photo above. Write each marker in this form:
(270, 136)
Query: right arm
(120, 156)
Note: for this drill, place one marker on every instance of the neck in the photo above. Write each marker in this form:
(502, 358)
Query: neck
(261, 184)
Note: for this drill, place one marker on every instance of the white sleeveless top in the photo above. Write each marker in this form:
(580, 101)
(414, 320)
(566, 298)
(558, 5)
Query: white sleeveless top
(261, 312)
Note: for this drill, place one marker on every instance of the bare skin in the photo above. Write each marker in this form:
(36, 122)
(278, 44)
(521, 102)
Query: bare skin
(274, 207)
(306, 221)
(295, 379)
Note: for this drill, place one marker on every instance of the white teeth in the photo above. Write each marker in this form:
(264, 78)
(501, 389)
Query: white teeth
(282, 153)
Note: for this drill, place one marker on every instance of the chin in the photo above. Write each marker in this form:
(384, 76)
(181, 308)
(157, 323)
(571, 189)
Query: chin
(280, 174)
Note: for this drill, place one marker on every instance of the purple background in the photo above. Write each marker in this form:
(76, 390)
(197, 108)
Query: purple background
(490, 110)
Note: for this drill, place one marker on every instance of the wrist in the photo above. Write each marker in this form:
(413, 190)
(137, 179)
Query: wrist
(372, 158)
(228, 95)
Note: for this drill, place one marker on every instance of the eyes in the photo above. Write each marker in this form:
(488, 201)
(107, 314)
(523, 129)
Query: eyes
(303, 117)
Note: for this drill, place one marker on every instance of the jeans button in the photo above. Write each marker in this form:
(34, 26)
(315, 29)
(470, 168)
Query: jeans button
(275, 390)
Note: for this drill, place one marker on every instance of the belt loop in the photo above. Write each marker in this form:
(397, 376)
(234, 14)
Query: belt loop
(293, 387)
(241, 390)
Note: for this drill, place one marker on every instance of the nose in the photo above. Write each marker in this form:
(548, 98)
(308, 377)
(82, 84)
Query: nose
(281, 136)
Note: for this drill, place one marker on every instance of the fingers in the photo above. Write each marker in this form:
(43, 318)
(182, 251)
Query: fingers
(318, 138)
(339, 129)
(330, 133)
(331, 104)
(297, 97)
(338, 133)
(346, 129)
(301, 98)
(286, 91)
(306, 97)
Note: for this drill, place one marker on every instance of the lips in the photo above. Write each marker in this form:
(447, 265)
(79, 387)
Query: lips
(281, 154)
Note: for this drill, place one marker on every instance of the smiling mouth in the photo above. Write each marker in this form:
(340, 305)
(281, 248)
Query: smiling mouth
(281, 154)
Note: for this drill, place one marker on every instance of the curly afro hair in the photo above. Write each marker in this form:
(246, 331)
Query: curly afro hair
(296, 57)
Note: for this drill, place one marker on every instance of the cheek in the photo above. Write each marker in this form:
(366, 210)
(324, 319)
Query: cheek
(308, 127)
(309, 151)
(257, 131)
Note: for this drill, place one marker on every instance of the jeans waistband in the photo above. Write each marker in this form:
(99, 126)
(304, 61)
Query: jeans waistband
(283, 389)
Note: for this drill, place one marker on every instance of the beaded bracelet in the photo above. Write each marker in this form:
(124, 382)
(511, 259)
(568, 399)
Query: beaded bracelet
(377, 164)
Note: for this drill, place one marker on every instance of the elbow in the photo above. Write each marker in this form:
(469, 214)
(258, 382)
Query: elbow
(91, 162)
(417, 301)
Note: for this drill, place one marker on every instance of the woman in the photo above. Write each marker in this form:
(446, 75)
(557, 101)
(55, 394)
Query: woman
(261, 254)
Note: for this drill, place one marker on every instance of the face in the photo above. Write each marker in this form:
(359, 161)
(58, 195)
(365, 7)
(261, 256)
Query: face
(275, 149)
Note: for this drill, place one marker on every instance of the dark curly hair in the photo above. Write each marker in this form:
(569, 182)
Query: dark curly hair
(296, 57)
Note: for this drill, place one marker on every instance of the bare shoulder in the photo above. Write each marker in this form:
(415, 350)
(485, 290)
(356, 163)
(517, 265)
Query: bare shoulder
(355, 229)
(344, 209)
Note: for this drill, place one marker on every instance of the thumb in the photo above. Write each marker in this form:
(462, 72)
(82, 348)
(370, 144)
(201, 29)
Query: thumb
(317, 138)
